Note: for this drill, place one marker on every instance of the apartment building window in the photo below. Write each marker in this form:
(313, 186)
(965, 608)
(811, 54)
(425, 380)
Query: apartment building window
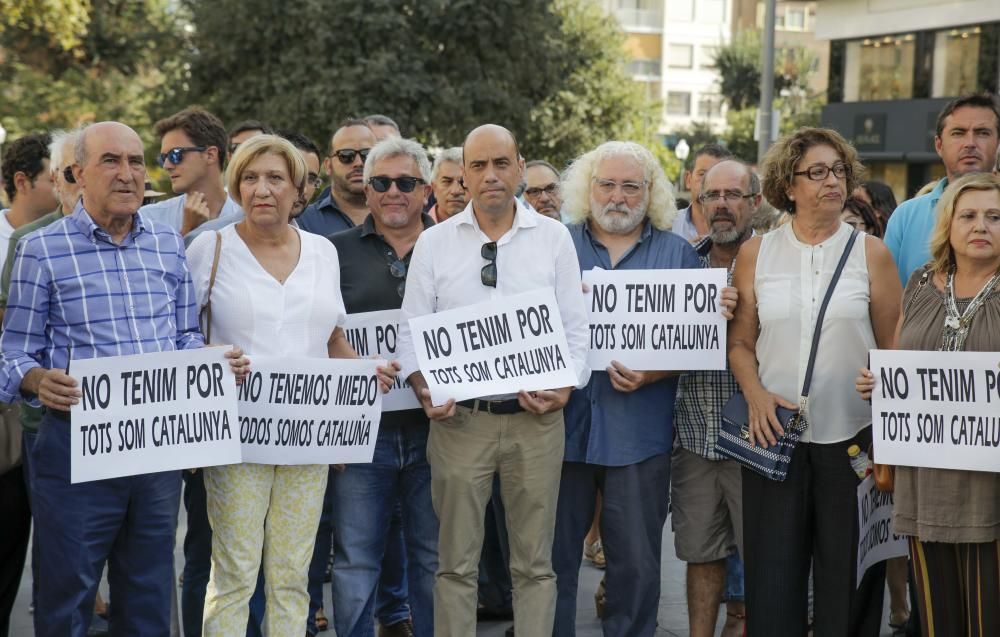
(708, 54)
(680, 56)
(640, 14)
(795, 19)
(645, 68)
(678, 103)
(710, 106)
(879, 68)
(680, 10)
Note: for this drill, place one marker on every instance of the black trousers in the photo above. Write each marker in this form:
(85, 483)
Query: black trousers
(15, 530)
(809, 520)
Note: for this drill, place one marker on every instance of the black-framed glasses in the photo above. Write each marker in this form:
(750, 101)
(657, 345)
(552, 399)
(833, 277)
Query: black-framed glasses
(822, 171)
(398, 270)
(347, 155)
(381, 183)
(488, 275)
(550, 190)
(730, 196)
(176, 154)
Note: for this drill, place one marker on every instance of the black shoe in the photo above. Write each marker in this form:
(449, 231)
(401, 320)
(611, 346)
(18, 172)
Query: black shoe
(399, 629)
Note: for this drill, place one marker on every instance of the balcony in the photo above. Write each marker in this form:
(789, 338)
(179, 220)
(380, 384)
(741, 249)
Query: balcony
(640, 19)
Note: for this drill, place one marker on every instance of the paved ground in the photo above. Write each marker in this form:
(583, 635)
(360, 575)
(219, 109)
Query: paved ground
(672, 617)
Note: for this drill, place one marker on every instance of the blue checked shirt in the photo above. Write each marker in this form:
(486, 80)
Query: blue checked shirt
(72, 285)
(702, 394)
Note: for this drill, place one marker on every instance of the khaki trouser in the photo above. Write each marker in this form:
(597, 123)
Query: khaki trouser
(261, 511)
(464, 452)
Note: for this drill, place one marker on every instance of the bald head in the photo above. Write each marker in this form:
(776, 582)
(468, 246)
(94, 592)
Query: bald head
(110, 170)
(492, 169)
(731, 196)
(100, 129)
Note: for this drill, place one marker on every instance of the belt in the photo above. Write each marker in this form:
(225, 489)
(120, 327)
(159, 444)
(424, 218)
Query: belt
(497, 407)
(58, 413)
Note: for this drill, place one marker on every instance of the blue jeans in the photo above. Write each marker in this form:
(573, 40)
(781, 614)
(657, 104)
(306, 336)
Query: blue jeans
(198, 563)
(734, 578)
(129, 523)
(363, 497)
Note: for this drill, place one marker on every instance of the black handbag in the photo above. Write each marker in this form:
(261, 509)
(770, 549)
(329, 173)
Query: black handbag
(734, 435)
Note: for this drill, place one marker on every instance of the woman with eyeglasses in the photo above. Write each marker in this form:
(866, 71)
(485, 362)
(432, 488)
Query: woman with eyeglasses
(809, 521)
(276, 292)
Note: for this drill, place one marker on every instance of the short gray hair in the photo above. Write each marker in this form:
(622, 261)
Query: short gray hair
(453, 155)
(80, 146)
(61, 139)
(398, 147)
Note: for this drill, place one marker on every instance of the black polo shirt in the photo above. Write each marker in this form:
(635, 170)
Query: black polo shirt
(367, 284)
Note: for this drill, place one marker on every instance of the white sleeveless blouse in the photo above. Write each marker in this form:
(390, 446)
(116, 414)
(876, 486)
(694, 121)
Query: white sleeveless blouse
(790, 282)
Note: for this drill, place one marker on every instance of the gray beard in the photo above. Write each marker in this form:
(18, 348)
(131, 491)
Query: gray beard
(618, 223)
(726, 237)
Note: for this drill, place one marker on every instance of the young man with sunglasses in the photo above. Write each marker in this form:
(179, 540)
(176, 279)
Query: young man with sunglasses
(495, 248)
(193, 146)
(374, 260)
(343, 204)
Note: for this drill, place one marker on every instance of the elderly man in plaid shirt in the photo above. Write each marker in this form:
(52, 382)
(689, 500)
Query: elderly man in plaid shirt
(99, 282)
(705, 489)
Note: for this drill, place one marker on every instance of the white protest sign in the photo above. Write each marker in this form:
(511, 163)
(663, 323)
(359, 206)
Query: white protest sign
(310, 410)
(876, 541)
(494, 348)
(153, 412)
(376, 334)
(937, 409)
(656, 319)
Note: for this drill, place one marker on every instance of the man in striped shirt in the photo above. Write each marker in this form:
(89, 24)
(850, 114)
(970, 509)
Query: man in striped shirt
(99, 282)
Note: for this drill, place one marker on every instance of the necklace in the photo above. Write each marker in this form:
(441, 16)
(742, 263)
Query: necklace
(956, 326)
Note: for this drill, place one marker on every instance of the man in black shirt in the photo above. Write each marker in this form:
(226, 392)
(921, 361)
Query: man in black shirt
(373, 261)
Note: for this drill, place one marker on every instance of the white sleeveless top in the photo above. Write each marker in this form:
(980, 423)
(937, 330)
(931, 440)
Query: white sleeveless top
(790, 282)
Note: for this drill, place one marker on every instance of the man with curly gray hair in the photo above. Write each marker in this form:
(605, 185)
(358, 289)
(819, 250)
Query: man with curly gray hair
(619, 428)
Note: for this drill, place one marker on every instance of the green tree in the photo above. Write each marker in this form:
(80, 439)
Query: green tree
(550, 71)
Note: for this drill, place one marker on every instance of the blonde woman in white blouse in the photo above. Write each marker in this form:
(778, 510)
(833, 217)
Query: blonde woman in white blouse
(810, 519)
(276, 293)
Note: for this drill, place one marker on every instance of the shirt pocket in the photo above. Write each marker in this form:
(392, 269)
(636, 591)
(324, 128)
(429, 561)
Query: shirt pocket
(774, 300)
(850, 300)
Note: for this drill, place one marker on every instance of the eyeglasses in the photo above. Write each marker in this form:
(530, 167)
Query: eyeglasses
(731, 196)
(176, 155)
(821, 172)
(398, 270)
(314, 180)
(549, 190)
(488, 275)
(347, 155)
(629, 188)
(381, 183)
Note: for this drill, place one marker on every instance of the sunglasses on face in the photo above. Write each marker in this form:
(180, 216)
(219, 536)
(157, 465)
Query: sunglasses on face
(176, 155)
(383, 184)
(488, 275)
(347, 155)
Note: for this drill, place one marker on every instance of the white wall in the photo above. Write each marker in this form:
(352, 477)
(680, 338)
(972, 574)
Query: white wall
(845, 19)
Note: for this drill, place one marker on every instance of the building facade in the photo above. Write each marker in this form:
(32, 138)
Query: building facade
(893, 65)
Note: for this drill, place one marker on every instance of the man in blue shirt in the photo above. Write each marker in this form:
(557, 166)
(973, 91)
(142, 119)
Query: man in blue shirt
(342, 206)
(619, 429)
(966, 139)
(100, 282)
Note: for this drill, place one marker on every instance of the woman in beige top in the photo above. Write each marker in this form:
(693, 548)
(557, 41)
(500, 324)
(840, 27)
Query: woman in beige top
(953, 517)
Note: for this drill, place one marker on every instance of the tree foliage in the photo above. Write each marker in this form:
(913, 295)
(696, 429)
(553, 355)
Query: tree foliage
(550, 71)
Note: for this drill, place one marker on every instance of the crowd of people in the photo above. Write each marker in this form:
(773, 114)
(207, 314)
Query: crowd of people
(486, 508)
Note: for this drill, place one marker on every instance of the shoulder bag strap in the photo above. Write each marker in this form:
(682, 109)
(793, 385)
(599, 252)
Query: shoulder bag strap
(207, 310)
(822, 313)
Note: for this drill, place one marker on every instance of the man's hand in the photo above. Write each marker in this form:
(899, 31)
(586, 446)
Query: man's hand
(544, 401)
(446, 410)
(196, 212)
(239, 363)
(727, 300)
(387, 375)
(54, 387)
(627, 381)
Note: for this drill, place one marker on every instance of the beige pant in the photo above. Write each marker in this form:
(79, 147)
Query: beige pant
(269, 511)
(464, 452)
